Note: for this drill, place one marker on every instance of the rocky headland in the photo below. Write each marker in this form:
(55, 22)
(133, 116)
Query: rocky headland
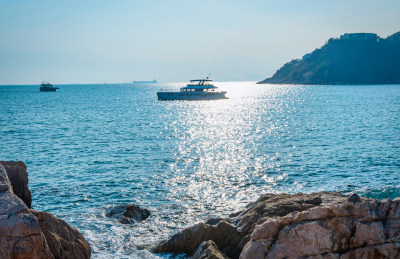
(27, 233)
(353, 58)
(317, 225)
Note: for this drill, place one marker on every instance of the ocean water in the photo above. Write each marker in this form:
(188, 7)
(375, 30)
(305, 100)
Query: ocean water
(91, 147)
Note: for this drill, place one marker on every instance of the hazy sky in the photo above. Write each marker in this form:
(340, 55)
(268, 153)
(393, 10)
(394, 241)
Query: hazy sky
(172, 40)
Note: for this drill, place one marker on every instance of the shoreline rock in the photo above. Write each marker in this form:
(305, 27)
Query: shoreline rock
(63, 240)
(20, 234)
(26, 233)
(16, 172)
(316, 225)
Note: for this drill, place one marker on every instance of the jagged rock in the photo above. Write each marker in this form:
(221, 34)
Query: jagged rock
(316, 225)
(223, 234)
(64, 241)
(128, 213)
(20, 234)
(208, 250)
(186, 241)
(18, 176)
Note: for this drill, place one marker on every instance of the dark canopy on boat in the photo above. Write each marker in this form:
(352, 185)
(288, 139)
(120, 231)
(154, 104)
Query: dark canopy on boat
(200, 80)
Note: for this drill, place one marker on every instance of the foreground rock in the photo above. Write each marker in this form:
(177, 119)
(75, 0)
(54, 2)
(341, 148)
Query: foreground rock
(20, 234)
(16, 172)
(64, 241)
(28, 233)
(224, 234)
(318, 225)
(128, 213)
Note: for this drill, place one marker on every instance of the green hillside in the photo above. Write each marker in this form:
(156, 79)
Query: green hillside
(345, 61)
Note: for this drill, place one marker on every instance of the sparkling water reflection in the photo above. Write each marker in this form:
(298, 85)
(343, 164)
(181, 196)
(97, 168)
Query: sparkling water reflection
(90, 147)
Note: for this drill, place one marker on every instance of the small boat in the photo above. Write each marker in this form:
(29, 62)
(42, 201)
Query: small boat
(198, 89)
(47, 87)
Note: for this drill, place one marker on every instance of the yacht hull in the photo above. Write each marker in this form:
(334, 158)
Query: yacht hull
(47, 89)
(192, 96)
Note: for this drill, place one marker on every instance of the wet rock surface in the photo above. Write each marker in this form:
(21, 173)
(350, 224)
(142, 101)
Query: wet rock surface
(128, 213)
(317, 225)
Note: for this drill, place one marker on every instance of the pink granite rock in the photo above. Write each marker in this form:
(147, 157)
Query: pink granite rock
(20, 234)
(366, 228)
(316, 225)
(16, 172)
(64, 241)
(302, 240)
(30, 234)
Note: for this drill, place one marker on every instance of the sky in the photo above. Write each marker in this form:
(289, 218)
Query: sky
(117, 41)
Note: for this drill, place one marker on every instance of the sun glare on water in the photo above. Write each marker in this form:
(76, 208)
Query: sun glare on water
(217, 154)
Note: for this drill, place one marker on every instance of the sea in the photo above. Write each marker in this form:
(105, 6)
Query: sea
(89, 148)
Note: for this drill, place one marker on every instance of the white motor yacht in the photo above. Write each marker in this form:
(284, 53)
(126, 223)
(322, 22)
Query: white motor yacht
(198, 89)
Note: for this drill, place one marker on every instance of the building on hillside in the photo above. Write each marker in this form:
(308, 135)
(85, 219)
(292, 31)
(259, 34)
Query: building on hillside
(359, 36)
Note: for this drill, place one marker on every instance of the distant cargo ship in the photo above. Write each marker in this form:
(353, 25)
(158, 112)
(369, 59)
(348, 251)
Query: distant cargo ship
(145, 82)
